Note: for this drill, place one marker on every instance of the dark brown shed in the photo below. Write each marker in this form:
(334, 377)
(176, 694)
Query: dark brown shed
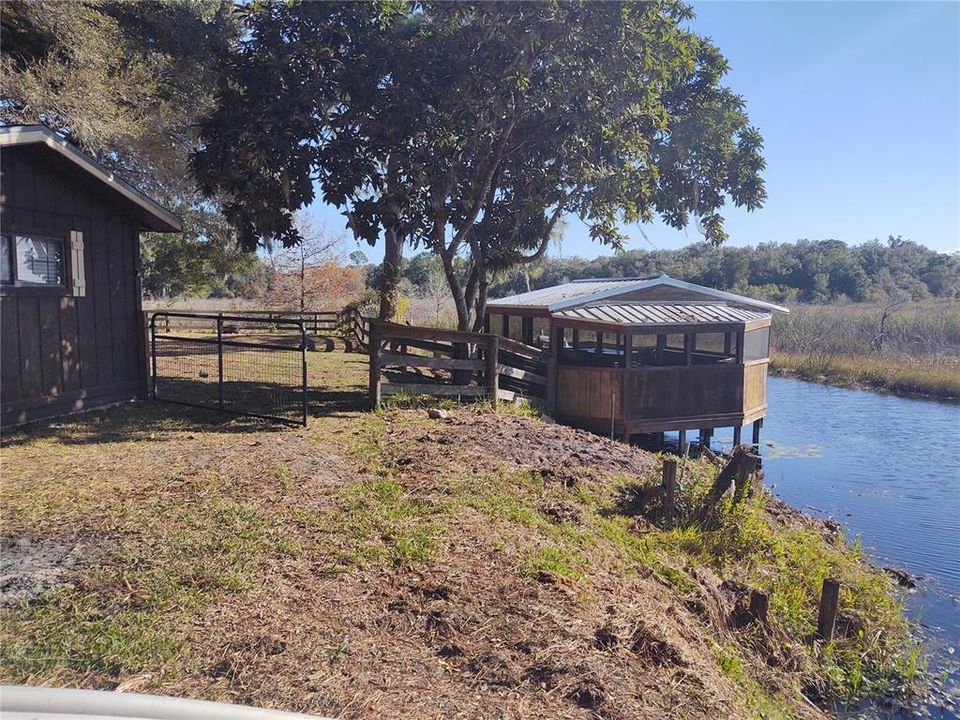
(70, 313)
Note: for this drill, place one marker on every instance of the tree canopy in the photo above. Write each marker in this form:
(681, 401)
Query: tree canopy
(128, 82)
(813, 271)
(471, 129)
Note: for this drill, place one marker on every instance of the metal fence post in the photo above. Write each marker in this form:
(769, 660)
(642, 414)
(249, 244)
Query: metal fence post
(303, 360)
(220, 358)
(153, 352)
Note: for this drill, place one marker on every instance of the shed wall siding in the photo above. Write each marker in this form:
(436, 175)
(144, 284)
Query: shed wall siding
(60, 353)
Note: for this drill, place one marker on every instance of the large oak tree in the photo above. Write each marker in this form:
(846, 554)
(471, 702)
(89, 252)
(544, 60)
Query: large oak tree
(473, 128)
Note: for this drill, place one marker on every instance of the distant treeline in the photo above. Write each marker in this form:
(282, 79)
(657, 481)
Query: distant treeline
(805, 271)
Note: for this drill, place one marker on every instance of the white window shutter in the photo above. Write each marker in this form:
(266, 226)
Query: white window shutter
(76, 263)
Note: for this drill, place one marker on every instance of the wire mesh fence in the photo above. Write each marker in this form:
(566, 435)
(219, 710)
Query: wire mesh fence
(259, 370)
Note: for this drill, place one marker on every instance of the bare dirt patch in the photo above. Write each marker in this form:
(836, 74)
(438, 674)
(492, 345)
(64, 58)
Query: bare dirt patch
(29, 565)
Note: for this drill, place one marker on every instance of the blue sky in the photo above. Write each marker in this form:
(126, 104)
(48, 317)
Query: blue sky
(859, 106)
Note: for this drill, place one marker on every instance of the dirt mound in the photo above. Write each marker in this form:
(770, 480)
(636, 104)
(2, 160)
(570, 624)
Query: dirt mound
(560, 454)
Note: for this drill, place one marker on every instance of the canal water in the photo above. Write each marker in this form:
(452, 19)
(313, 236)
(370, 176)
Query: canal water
(888, 469)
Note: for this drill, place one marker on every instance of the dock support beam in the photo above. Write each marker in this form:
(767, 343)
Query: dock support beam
(737, 429)
(705, 435)
(757, 424)
(556, 341)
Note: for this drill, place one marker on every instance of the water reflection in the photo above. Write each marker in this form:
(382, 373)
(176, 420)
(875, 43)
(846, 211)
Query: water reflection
(885, 467)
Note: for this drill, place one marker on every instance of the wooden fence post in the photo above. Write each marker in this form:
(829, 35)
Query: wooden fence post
(552, 363)
(670, 485)
(827, 617)
(375, 333)
(759, 605)
(747, 467)
(493, 375)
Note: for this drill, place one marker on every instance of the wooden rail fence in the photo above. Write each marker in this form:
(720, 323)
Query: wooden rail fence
(449, 363)
(409, 359)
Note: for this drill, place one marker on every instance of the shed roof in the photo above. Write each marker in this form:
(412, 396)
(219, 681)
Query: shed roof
(153, 216)
(583, 292)
(635, 314)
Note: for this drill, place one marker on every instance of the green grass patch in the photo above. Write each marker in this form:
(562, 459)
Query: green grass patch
(555, 560)
(384, 523)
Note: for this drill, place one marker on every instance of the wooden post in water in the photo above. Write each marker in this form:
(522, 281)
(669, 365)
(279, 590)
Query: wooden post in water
(737, 429)
(827, 617)
(681, 442)
(705, 435)
(757, 424)
(670, 485)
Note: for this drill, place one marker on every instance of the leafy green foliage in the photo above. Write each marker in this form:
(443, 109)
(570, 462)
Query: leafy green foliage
(203, 261)
(128, 82)
(473, 128)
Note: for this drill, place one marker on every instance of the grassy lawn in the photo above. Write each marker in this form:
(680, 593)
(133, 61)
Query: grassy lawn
(390, 565)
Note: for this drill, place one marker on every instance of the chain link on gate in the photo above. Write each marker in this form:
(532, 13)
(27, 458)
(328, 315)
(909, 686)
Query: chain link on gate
(240, 365)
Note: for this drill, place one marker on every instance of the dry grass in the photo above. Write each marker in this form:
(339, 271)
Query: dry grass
(935, 377)
(388, 565)
(909, 348)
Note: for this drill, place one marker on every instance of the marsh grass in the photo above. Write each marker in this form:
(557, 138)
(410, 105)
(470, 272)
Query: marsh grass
(909, 349)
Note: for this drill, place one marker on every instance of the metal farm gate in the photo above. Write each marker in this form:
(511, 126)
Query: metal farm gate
(237, 364)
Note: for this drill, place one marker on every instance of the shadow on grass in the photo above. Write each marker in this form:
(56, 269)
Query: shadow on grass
(146, 421)
(324, 403)
(135, 422)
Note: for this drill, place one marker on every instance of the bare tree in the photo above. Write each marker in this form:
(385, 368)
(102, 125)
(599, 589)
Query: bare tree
(298, 269)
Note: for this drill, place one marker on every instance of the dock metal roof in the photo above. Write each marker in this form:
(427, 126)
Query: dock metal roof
(635, 314)
(582, 292)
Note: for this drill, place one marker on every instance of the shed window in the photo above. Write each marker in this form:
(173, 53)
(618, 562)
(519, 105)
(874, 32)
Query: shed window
(6, 259)
(32, 260)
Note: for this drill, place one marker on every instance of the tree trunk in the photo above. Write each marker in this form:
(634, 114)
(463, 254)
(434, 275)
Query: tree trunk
(303, 280)
(390, 275)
